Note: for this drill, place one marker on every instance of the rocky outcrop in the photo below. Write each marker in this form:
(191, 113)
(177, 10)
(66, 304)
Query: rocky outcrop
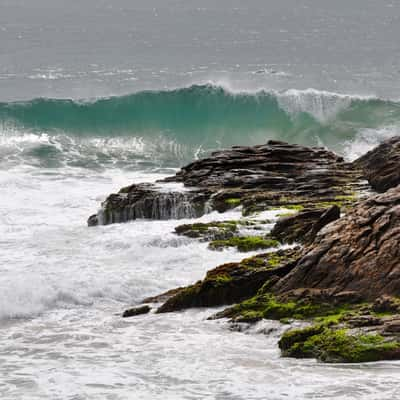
(302, 227)
(133, 312)
(233, 282)
(274, 174)
(358, 253)
(150, 202)
(258, 178)
(381, 166)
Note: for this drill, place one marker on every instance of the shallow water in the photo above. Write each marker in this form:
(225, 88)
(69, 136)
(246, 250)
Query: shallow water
(64, 286)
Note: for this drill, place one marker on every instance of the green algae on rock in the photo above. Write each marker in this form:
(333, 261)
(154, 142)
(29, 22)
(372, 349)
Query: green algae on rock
(217, 230)
(245, 243)
(233, 282)
(338, 345)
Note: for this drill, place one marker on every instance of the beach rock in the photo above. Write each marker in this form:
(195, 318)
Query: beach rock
(257, 178)
(360, 252)
(386, 304)
(232, 282)
(133, 312)
(151, 202)
(216, 230)
(381, 166)
(302, 227)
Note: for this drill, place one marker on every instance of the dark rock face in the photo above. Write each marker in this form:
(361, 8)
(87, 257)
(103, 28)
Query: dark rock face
(303, 226)
(274, 174)
(148, 201)
(277, 173)
(233, 282)
(360, 252)
(133, 312)
(381, 165)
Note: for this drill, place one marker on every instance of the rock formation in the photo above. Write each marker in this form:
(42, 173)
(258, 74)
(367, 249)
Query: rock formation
(360, 252)
(381, 165)
(258, 177)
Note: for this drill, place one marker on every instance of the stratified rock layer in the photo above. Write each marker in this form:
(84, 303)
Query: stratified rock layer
(303, 226)
(150, 202)
(233, 282)
(359, 253)
(381, 165)
(258, 177)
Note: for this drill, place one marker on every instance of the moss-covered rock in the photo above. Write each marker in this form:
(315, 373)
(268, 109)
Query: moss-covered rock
(216, 230)
(338, 345)
(265, 305)
(303, 226)
(245, 243)
(232, 282)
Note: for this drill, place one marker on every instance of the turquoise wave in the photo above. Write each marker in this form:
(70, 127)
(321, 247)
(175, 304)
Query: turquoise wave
(201, 118)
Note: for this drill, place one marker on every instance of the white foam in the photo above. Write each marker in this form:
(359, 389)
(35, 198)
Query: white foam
(367, 139)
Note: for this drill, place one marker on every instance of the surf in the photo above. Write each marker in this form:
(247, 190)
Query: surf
(175, 126)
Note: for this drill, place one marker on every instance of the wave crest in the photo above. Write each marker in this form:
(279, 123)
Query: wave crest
(178, 125)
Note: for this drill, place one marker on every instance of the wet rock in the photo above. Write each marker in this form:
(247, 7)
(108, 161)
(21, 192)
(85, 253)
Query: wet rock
(149, 202)
(339, 345)
(386, 304)
(364, 320)
(257, 178)
(381, 166)
(133, 312)
(359, 252)
(209, 231)
(163, 297)
(303, 226)
(392, 326)
(232, 282)
(245, 243)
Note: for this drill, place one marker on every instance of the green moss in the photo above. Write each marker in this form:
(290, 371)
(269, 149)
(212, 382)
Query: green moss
(295, 207)
(254, 262)
(270, 307)
(347, 198)
(245, 243)
(222, 279)
(328, 204)
(288, 214)
(338, 345)
(233, 202)
(274, 260)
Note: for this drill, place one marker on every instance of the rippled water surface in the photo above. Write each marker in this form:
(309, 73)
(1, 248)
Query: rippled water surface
(63, 287)
(99, 94)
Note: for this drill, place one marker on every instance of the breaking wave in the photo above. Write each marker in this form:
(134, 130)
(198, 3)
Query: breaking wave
(174, 126)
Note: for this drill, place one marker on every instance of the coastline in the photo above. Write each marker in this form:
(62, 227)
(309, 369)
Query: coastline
(351, 313)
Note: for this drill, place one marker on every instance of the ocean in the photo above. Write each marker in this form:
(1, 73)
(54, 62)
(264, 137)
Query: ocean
(99, 94)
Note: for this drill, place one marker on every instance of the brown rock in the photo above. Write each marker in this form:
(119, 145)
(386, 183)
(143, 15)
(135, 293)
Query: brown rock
(381, 165)
(133, 312)
(303, 226)
(359, 252)
(233, 282)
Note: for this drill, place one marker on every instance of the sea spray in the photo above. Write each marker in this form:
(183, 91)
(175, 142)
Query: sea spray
(172, 127)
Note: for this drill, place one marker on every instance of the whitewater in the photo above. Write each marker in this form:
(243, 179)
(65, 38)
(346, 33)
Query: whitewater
(100, 94)
(64, 286)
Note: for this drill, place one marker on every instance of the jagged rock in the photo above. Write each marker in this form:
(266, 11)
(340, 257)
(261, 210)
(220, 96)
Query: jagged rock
(163, 297)
(233, 282)
(133, 312)
(341, 344)
(303, 226)
(150, 202)
(276, 173)
(381, 165)
(386, 304)
(258, 177)
(360, 252)
(217, 230)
